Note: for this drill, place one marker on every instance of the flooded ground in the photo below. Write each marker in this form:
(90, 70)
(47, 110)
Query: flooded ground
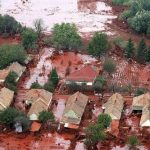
(88, 16)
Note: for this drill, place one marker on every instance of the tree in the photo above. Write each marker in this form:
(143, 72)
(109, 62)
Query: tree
(25, 122)
(94, 134)
(65, 36)
(98, 45)
(9, 26)
(54, 78)
(29, 39)
(100, 85)
(141, 51)
(148, 54)
(129, 50)
(39, 26)
(104, 119)
(49, 86)
(133, 141)
(10, 81)
(11, 53)
(36, 85)
(8, 115)
(109, 66)
(140, 91)
(44, 116)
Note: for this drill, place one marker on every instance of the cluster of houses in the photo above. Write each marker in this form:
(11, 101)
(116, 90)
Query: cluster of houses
(40, 99)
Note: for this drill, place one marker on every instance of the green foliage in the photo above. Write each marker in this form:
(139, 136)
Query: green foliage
(98, 45)
(141, 51)
(8, 115)
(119, 41)
(36, 85)
(133, 141)
(99, 84)
(49, 86)
(140, 91)
(94, 134)
(29, 39)
(47, 41)
(25, 122)
(65, 36)
(54, 78)
(10, 81)
(148, 54)
(119, 2)
(11, 53)
(9, 26)
(44, 116)
(129, 50)
(104, 119)
(109, 66)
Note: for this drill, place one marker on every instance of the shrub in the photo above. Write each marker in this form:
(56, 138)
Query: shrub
(25, 122)
(133, 141)
(109, 66)
(65, 36)
(98, 45)
(120, 42)
(54, 78)
(104, 119)
(8, 115)
(29, 39)
(140, 91)
(129, 50)
(44, 116)
(94, 134)
(11, 53)
(49, 86)
(9, 26)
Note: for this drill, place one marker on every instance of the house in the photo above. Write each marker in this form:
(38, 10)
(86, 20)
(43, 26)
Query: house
(15, 67)
(6, 98)
(74, 110)
(145, 118)
(40, 100)
(114, 106)
(85, 75)
(140, 101)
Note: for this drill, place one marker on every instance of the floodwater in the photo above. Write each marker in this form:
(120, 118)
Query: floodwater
(88, 16)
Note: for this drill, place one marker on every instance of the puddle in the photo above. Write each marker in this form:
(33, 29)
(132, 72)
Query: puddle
(88, 16)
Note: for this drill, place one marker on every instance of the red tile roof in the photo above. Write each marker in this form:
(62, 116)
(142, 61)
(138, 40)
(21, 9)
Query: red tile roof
(85, 74)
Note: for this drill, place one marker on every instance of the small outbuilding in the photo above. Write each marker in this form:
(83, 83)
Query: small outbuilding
(114, 106)
(74, 110)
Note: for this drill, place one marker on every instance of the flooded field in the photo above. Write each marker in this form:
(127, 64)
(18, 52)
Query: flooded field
(88, 16)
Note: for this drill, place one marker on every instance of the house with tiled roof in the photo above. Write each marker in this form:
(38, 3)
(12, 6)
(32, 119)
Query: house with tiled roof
(86, 75)
(74, 110)
(114, 106)
(6, 98)
(40, 100)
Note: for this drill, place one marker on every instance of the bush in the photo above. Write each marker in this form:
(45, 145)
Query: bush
(8, 115)
(9, 26)
(119, 41)
(140, 91)
(65, 36)
(109, 66)
(119, 2)
(133, 141)
(11, 53)
(98, 45)
(11, 82)
(25, 122)
(29, 39)
(44, 116)
(104, 119)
